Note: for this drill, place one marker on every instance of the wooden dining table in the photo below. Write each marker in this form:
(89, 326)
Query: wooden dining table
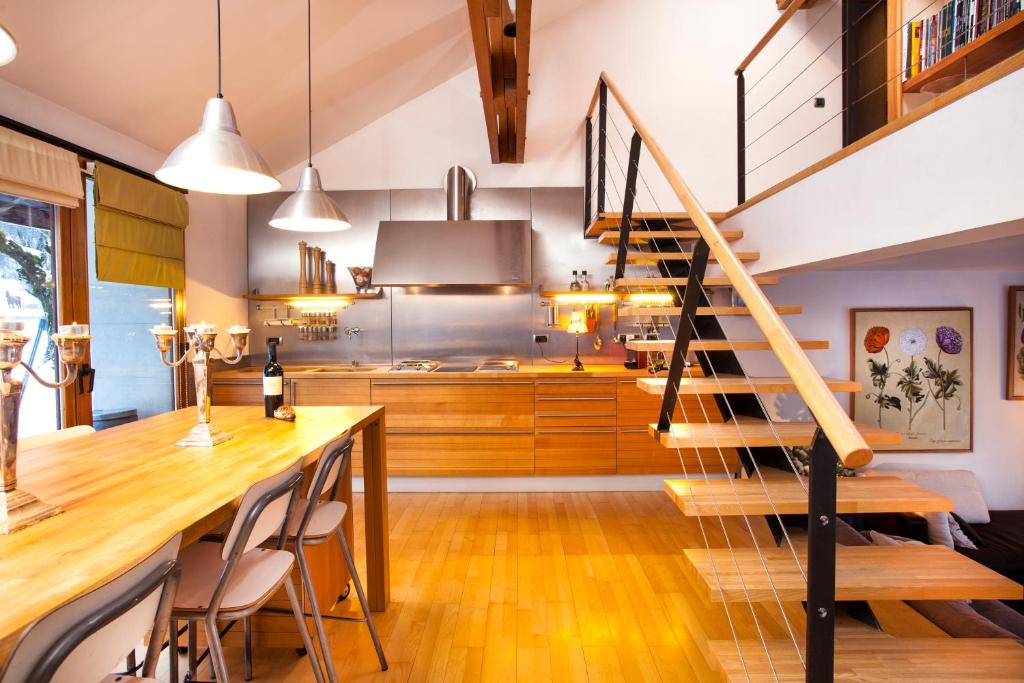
(124, 491)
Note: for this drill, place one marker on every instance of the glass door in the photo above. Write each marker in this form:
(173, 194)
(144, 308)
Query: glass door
(131, 383)
(28, 280)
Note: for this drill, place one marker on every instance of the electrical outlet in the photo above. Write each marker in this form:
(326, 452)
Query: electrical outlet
(819, 102)
(540, 339)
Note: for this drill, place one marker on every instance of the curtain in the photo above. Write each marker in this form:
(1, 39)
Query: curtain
(37, 170)
(140, 230)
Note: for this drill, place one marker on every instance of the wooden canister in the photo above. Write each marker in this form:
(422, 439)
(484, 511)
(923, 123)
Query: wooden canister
(303, 276)
(318, 258)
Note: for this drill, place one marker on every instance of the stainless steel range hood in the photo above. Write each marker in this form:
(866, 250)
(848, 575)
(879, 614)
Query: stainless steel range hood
(457, 251)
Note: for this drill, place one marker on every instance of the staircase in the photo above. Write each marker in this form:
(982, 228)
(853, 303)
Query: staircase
(763, 604)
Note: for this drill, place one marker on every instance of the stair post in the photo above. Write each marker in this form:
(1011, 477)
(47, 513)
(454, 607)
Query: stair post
(602, 139)
(588, 141)
(627, 205)
(684, 332)
(741, 138)
(821, 560)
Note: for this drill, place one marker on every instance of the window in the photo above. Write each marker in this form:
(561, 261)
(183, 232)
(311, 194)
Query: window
(27, 277)
(131, 383)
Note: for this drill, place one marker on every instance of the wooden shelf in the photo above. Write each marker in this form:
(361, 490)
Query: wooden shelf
(1001, 41)
(345, 296)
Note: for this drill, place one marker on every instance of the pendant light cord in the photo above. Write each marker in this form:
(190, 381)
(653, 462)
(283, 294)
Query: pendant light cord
(219, 93)
(309, 78)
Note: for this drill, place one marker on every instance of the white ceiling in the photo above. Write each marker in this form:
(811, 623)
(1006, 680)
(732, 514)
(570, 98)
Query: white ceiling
(145, 68)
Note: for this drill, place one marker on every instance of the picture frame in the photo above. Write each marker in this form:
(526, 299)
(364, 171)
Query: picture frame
(916, 370)
(1015, 343)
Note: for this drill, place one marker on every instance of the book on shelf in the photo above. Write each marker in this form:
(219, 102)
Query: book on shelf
(928, 41)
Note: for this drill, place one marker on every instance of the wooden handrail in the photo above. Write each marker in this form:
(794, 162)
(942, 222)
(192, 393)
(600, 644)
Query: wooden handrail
(792, 9)
(833, 420)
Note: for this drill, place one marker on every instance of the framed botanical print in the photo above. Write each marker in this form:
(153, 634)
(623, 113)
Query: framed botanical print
(916, 370)
(1015, 346)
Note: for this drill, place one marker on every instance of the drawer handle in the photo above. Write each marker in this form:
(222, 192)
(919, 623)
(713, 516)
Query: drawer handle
(575, 398)
(634, 431)
(428, 383)
(575, 414)
(575, 381)
(576, 431)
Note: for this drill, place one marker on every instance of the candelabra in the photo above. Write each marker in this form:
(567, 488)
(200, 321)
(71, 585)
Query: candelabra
(19, 509)
(201, 345)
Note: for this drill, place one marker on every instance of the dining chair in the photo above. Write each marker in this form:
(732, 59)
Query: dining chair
(319, 521)
(232, 580)
(85, 639)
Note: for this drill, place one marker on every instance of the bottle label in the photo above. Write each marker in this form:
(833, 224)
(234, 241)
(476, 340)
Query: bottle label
(273, 386)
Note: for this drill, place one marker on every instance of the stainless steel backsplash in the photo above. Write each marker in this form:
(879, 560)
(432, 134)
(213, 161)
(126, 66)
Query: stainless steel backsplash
(455, 325)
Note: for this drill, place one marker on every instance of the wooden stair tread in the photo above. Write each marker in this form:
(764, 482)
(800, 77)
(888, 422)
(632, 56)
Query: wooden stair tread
(719, 344)
(757, 433)
(641, 311)
(612, 220)
(633, 282)
(877, 657)
(737, 384)
(786, 495)
(644, 236)
(644, 257)
(904, 572)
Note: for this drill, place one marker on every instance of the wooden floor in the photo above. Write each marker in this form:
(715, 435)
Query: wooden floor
(537, 586)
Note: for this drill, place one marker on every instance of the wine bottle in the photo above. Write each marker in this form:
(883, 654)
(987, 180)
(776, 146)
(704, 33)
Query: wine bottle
(273, 379)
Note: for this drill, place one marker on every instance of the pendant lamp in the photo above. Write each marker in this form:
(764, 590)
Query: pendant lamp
(216, 159)
(309, 208)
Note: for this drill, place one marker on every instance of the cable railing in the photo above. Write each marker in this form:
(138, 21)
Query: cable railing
(785, 127)
(835, 437)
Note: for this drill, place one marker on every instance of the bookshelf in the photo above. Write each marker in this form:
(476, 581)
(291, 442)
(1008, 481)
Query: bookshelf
(1001, 41)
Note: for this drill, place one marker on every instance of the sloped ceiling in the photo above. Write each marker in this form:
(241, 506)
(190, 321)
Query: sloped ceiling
(146, 68)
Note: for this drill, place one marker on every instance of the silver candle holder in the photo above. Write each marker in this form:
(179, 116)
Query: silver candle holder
(19, 509)
(201, 345)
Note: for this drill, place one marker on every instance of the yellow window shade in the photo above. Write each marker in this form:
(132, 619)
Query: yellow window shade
(140, 224)
(37, 170)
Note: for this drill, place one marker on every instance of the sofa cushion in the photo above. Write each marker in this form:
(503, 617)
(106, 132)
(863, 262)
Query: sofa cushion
(961, 486)
(847, 535)
(1001, 615)
(878, 538)
(959, 619)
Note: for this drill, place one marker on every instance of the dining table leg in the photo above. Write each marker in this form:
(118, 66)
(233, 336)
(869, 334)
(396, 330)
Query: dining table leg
(375, 487)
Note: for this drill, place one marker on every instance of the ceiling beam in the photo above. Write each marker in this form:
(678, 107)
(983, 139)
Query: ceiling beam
(503, 66)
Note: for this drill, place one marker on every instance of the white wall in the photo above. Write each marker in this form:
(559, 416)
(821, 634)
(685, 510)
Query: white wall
(215, 242)
(955, 170)
(673, 60)
(827, 297)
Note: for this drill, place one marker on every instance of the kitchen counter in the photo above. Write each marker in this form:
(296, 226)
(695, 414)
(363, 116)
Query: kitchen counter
(544, 420)
(327, 371)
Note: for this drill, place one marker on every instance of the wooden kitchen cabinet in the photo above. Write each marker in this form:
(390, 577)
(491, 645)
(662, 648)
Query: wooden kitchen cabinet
(455, 406)
(242, 392)
(575, 426)
(490, 454)
(327, 391)
(639, 453)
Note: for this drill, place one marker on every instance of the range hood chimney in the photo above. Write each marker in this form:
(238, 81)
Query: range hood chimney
(454, 252)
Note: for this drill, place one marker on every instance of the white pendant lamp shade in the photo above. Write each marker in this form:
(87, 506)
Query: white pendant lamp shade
(217, 159)
(309, 208)
(8, 48)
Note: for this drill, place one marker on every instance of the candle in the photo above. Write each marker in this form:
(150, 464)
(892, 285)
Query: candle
(163, 330)
(73, 331)
(204, 328)
(238, 329)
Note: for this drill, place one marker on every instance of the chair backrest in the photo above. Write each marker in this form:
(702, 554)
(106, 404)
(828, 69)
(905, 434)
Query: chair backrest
(39, 440)
(85, 639)
(269, 500)
(329, 465)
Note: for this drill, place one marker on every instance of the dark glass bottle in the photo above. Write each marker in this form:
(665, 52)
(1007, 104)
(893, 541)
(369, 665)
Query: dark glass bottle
(273, 379)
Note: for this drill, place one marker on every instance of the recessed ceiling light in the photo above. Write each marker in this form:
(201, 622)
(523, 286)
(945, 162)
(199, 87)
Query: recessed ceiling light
(8, 48)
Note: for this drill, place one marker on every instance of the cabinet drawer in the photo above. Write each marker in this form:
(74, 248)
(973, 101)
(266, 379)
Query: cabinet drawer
(638, 408)
(242, 393)
(460, 454)
(575, 420)
(576, 387)
(639, 453)
(331, 392)
(575, 451)
(447, 407)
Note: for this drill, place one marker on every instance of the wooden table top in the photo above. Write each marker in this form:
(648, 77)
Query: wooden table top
(128, 489)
